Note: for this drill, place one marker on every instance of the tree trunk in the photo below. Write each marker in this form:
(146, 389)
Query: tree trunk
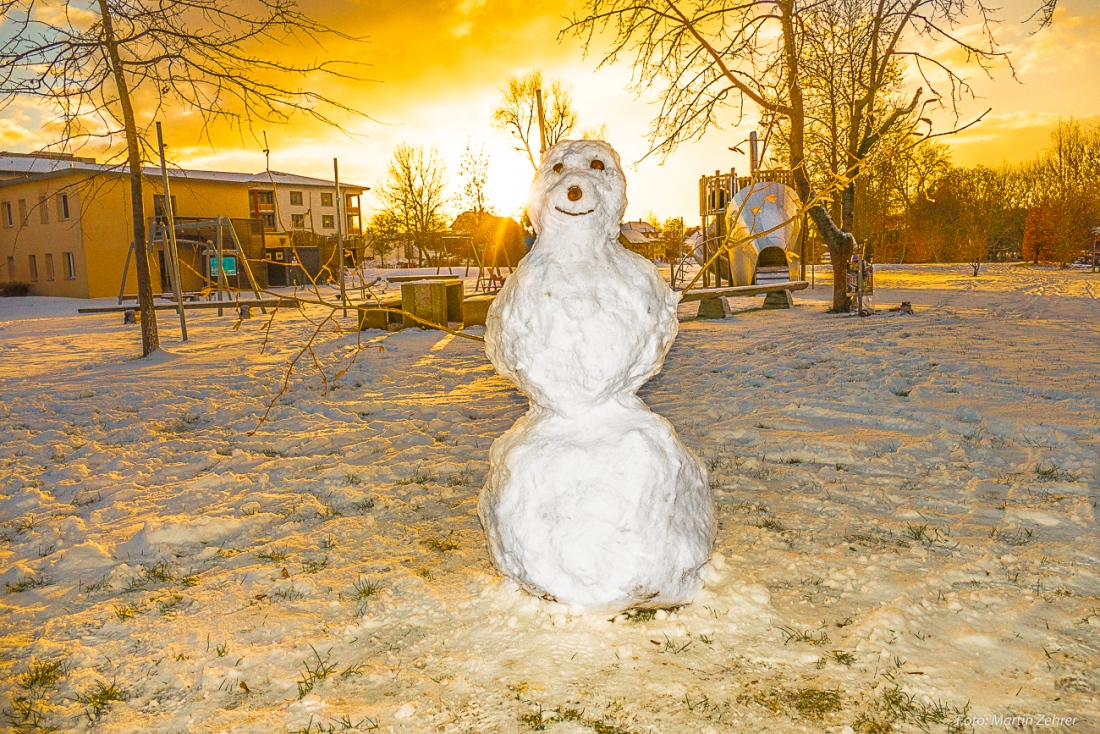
(150, 339)
(839, 242)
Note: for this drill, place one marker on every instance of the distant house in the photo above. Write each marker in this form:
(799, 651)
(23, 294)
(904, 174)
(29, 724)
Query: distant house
(65, 221)
(642, 238)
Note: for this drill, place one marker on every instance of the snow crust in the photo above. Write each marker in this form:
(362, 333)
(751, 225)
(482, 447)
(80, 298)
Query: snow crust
(591, 499)
(917, 494)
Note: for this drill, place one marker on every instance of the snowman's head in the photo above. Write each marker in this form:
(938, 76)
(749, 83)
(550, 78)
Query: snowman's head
(579, 186)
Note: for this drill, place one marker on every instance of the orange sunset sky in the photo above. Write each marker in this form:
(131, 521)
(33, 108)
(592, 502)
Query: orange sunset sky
(438, 67)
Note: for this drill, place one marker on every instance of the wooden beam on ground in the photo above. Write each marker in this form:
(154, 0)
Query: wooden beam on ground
(192, 304)
(743, 290)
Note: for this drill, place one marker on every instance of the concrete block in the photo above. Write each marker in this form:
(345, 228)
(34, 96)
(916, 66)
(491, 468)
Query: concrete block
(714, 307)
(426, 299)
(475, 309)
(779, 299)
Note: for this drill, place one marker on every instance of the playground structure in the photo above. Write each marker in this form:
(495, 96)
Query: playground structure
(734, 211)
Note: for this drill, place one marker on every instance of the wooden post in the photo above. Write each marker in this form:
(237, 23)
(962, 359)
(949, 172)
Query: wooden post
(125, 271)
(221, 264)
(339, 238)
(542, 123)
(173, 263)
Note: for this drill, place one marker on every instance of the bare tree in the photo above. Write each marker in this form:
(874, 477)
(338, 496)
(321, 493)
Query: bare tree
(383, 232)
(712, 59)
(109, 67)
(1064, 187)
(473, 171)
(414, 195)
(518, 113)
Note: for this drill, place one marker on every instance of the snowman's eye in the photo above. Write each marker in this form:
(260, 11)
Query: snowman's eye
(597, 164)
(558, 167)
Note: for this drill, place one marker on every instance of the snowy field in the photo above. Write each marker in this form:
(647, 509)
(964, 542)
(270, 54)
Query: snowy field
(907, 506)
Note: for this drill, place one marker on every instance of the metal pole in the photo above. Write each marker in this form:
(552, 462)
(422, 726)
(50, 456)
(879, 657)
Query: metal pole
(170, 240)
(542, 122)
(221, 265)
(339, 238)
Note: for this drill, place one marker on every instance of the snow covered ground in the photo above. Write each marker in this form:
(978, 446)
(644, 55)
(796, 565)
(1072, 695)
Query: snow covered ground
(907, 510)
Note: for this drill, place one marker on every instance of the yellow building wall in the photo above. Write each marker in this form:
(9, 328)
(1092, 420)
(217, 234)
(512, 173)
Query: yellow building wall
(30, 236)
(99, 229)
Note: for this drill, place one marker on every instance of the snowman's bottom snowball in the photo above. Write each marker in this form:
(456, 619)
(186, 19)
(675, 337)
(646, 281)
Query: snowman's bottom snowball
(608, 511)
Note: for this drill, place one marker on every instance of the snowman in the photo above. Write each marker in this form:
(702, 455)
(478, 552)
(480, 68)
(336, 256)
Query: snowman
(591, 499)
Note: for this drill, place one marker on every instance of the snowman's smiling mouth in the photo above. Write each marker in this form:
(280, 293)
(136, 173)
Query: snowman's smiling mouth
(574, 214)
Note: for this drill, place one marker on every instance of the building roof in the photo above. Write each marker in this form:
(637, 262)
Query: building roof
(19, 167)
(638, 233)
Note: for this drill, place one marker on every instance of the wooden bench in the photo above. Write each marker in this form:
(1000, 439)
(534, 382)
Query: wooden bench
(411, 278)
(713, 306)
(371, 315)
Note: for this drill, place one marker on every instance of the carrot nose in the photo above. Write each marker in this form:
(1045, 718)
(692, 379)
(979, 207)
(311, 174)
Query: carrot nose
(575, 193)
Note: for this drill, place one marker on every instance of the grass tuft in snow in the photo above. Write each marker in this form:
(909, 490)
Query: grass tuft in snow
(343, 724)
(126, 611)
(313, 565)
(895, 706)
(841, 657)
(929, 537)
(27, 716)
(641, 615)
(539, 719)
(417, 478)
(314, 672)
(458, 479)
(43, 675)
(812, 703)
(772, 524)
(363, 505)
(441, 545)
(274, 556)
(97, 701)
(1048, 471)
(364, 589)
(792, 635)
(29, 581)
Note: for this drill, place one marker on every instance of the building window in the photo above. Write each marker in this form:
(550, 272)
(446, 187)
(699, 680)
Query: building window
(34, 267)
(11, 268)
(266, 197)
(22, 212)
(49, 266)
(70, 266)
(62, 206)
(328, 221)
(298, 221)
(8, 221)
(43, 210)
(326, 199)
(295, 198)
(268, 220)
